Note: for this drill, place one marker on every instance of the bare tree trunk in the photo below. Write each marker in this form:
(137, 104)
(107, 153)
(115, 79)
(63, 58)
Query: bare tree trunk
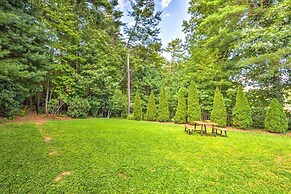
(128, 85)
(47, 96)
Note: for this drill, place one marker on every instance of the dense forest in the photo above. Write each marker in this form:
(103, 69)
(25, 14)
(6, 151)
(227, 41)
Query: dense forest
(70, 57)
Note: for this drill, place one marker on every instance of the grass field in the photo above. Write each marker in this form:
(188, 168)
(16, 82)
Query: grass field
(122, 156)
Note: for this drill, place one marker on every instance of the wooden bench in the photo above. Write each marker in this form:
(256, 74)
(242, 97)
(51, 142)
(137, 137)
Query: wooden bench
(221, 130)
(188, 128)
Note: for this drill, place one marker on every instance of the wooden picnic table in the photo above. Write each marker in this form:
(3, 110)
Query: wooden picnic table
(203, 125)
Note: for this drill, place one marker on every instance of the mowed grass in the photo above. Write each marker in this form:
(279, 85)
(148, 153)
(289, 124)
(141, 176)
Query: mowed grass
(122, 156)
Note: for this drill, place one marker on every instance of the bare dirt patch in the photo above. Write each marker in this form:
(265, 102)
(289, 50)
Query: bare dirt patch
(61, 176)
(54, 153)
(48, 139)
(38, 119)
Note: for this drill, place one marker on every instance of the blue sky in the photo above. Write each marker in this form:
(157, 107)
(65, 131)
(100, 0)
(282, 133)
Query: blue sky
(174, 12)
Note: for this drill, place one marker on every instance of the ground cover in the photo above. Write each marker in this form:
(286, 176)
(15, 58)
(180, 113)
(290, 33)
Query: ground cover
(115, 155)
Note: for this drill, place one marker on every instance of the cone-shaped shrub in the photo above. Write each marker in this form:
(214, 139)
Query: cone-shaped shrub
(151, 113)
(163, 111)
(276, 120)
(218, 113)
(137, 110)
(194, 110)
(181, 112)
(242, 116)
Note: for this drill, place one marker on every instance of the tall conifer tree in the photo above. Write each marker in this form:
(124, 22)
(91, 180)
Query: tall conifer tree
(242, 116)
(181, 112)
(151, 114)
(194, 110)
(276, 120)
(218, 113)
(163, 111)
(137, 109)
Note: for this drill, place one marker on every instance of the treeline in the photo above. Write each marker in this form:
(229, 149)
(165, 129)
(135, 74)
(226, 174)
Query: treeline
(69, 57)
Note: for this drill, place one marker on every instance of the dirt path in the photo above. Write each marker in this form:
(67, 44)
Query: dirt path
(38, 119)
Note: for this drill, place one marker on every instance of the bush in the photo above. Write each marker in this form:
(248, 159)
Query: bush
(218, 113)
(78, 107)
(194, 110)
(151, 114)
(118, 104)
(53, 106)
(137, 110)
(10, 100)
(276, 120)
(242, 116)
(163, 111)
(130, 117)
(181, 113)
(95, 106)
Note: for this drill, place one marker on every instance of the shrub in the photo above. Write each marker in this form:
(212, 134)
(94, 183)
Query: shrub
(53, 106)
(242, 116)
(137, 110)
(78, 107)
(181, 113)
(276, 120)
(218, 113)
(118, 104)
(130, 117)
(95, 106)
(163, 110)
(10, 100)
(151, 113)
(194, 110)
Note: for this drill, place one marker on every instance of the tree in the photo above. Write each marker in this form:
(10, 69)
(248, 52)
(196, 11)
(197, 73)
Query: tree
(151, 114)
(181, 112)
(276, 120)
(137, 109)
(242, 116)
(218, 113)
(194, 110)
(163, 109)
(118, 104)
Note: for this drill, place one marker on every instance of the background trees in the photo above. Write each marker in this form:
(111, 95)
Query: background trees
(53, 52)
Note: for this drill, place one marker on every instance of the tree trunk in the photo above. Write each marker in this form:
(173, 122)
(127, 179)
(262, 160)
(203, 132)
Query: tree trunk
(47, 97)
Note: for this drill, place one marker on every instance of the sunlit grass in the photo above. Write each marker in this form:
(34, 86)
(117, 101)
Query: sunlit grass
(114, 155)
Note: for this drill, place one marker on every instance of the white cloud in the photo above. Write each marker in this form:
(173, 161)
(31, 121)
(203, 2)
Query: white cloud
(165, 3)
(167, 55)
(166, 15)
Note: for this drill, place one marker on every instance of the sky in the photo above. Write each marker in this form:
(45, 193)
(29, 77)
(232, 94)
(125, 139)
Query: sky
(174, 12)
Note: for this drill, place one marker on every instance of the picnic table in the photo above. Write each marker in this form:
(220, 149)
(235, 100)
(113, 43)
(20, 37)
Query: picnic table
(203, 125)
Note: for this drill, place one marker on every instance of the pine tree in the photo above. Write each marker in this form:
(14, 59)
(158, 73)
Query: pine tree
(181, 113)
(151, 114)
(194, 110)
(242, 116)
(276, 120)
(218, 113)
(163, 111)
(137, 110)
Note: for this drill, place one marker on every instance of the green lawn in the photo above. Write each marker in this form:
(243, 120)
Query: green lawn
(122, 156)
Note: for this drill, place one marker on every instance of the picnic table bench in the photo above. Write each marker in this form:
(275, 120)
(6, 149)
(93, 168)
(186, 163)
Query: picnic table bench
(203, 125)
(221, 130)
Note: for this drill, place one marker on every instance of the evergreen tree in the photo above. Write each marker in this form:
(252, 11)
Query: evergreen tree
(137, 110)
(181, 112)
(276, 120)
(194, 110)
(151, 113)
(163, 111)
(242, 116)
(218, 113)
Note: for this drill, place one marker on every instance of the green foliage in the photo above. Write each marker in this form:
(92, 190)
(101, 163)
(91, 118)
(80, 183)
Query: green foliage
(218, 113)
(194, 110)
(95, 106)
(137, 109)
(163, 109)
(78, 107)
(130, 117)
(53, 106)
(118, 104)
(151, 114)
(242, 116)
(181, 112)
(276, 120)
